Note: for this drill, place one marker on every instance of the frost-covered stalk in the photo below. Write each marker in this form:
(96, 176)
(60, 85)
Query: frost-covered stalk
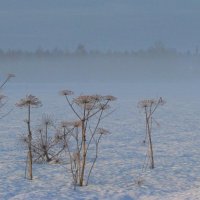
(148, 133)
(150, 106)
(91, 109)
(84, 151)
(29, 101)
(30, 159)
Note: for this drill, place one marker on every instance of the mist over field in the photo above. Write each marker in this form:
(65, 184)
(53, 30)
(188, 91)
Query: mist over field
(104, 69)
(172, 77)
(153, 73)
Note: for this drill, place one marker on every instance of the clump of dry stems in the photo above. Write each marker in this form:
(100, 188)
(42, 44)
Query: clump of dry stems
(47, 142)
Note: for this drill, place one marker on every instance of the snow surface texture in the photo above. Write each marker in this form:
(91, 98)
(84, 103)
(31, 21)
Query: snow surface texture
(176, 145)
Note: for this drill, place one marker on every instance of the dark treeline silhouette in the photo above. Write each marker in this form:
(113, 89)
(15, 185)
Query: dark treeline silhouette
(158, 50)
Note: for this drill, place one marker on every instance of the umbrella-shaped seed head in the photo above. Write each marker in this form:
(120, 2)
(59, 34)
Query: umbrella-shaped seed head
(29, 100)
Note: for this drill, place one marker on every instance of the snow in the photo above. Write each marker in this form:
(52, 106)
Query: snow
(122, 153)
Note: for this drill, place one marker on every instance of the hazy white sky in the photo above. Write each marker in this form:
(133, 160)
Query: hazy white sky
(99, 24)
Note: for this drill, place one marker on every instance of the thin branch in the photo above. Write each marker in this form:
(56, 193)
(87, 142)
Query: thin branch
(95, 159)
(71, 106)
(6, 114)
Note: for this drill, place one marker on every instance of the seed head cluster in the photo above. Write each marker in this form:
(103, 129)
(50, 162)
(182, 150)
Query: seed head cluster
(29, 100)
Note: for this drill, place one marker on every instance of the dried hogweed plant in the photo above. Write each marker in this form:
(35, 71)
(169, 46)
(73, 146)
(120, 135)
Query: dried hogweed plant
(150, 106)
(84, 135)
(29, 102)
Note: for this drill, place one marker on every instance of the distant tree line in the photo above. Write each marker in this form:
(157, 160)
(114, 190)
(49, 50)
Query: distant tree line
(157, 50)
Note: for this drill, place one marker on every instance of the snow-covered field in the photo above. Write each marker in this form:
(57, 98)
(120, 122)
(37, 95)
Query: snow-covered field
(122, 153)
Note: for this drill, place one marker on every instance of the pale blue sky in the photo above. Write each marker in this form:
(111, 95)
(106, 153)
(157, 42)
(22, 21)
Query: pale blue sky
(99, 24)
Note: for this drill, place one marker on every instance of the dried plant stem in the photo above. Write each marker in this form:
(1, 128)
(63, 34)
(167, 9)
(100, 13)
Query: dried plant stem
(150, 143)
(83, 153)
(30, 159)
(9, 76)
(150, 106)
